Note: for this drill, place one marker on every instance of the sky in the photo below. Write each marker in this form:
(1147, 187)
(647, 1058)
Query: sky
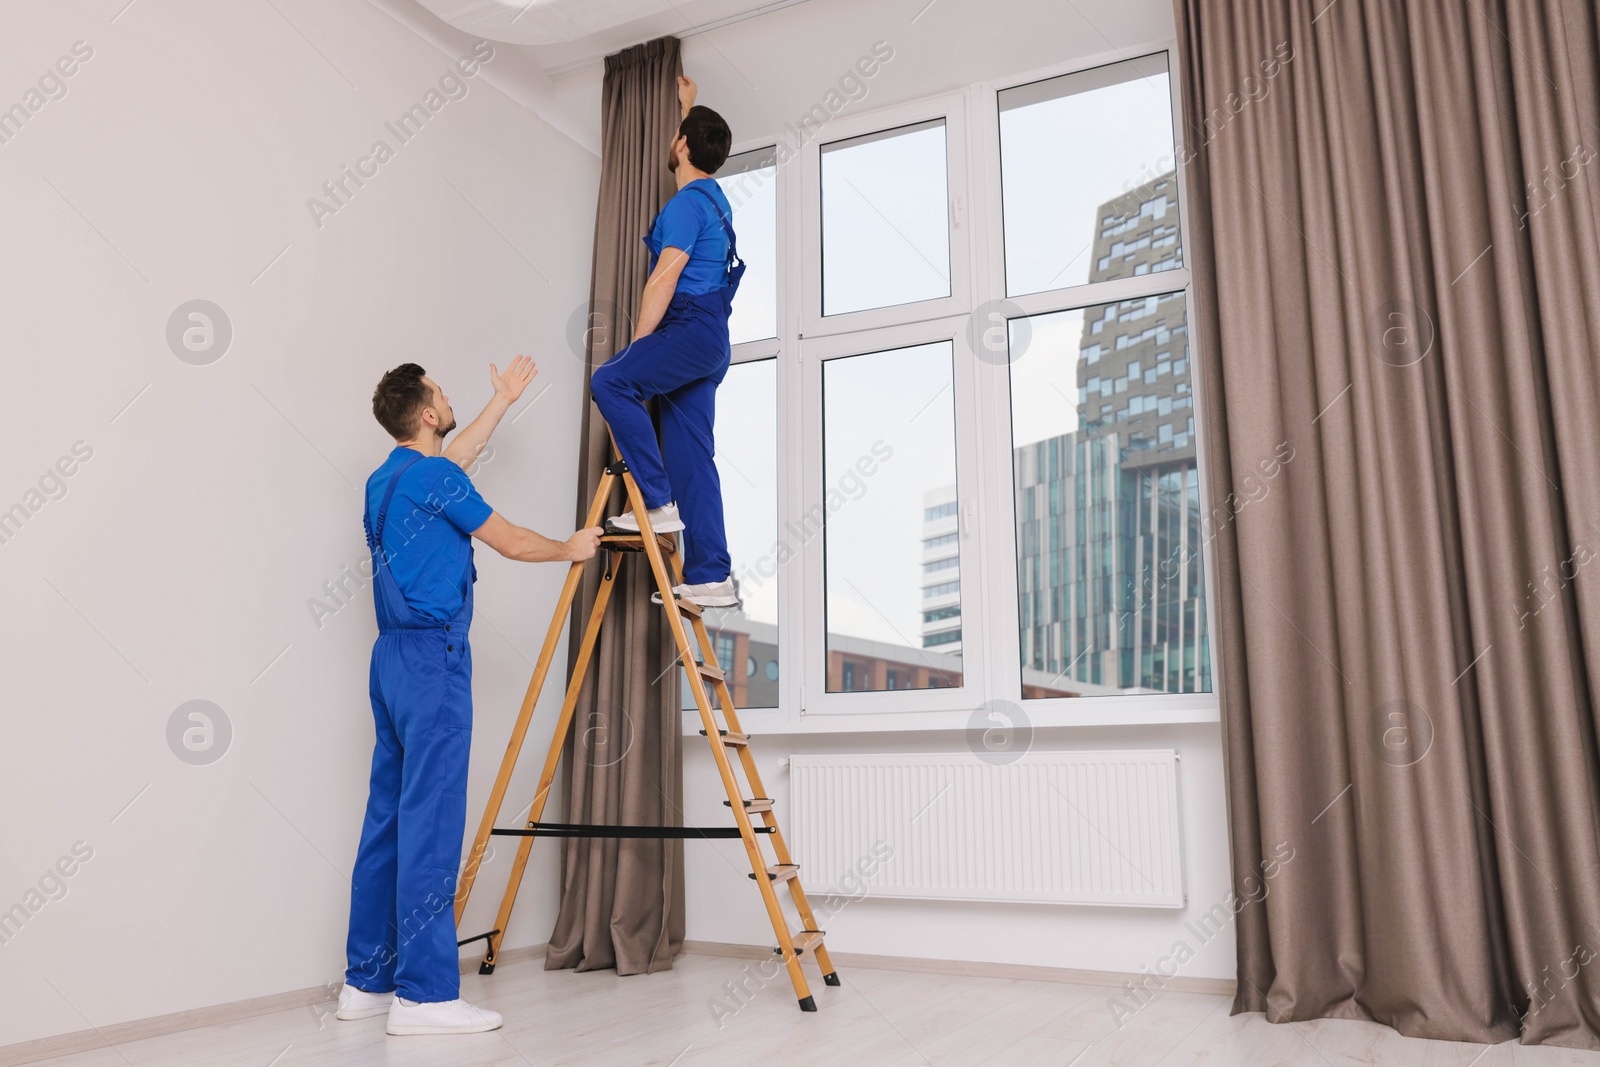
(753, 196)
(1061, 159)
(900, 400)
(747, 462)
(885, 230)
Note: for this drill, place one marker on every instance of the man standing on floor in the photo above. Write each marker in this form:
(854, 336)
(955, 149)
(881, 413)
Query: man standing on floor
(421, 513)
(680, 353)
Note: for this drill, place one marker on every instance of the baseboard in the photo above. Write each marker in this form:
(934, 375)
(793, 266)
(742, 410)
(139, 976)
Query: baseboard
(213, 1015)
(969, 969)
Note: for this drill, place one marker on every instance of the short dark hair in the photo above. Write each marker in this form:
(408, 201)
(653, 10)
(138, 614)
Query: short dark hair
(398, 401)
(709, 138)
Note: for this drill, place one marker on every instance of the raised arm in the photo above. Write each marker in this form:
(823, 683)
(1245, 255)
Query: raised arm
(526, 546)
(463, 451)
(687, 90)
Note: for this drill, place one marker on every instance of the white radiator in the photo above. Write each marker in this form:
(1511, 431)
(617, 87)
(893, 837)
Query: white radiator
(1052, 827)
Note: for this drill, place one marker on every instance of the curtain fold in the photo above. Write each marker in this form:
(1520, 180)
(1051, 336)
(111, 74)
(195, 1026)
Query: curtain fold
(1394, 223)
(622, 901)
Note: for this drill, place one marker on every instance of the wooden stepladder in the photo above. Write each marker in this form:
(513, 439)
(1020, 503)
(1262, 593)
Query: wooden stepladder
(726, 738)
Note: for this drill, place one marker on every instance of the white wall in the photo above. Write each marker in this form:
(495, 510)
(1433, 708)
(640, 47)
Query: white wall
(179, 563)
(760, 74)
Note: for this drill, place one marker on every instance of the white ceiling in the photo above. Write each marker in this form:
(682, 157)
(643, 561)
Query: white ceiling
(555, 22)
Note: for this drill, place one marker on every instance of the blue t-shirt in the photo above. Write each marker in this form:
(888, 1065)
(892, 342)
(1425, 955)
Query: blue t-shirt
(426, 536)
(691, 223)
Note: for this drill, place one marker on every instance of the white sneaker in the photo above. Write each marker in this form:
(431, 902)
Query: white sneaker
(359, 1004)
(662, 520)
(723, 594)
(440, 1017)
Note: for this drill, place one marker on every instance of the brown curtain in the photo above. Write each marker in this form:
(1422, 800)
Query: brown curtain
(1394, 233)
(622, 901)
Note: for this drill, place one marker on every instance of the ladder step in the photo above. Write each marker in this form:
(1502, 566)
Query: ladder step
(755, 805)
(568, 829)
(716, 674)
(634, 542)
(689, 607)
(781, 872)
(804, 939)
(731, 738)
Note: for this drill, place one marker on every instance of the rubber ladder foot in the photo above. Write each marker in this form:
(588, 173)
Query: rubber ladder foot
(808, 1004)
(831, 979)
(485, 968)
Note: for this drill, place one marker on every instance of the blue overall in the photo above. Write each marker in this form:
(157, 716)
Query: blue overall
(682, 362)
(402, 897)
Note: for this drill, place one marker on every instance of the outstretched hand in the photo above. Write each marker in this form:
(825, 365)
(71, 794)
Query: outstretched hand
(516, 378)
(686, 92)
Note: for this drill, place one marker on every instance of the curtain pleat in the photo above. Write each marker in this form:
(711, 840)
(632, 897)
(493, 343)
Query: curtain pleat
(622, 900)
(1394, 223)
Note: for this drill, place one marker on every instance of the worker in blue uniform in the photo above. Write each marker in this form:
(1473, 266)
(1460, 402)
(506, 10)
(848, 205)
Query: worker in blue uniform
(680, 354)
(421, 513)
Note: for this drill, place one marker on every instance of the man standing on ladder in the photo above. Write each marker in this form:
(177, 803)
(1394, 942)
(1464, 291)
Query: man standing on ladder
(421, 513)
(680, 353)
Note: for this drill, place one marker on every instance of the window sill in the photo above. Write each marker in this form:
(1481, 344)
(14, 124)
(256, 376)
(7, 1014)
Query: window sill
(1041, 714)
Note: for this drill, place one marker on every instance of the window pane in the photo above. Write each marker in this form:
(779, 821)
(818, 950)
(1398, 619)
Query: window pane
(746, 638)
(1087, 177)
(885, 219)
(1110, 587)
(888, 513)
(749, 181)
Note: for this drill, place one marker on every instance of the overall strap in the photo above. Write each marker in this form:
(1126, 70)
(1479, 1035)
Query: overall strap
(727, 228)
(375, 531)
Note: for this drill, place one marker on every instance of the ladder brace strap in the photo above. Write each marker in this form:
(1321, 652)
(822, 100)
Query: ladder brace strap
(567, 829)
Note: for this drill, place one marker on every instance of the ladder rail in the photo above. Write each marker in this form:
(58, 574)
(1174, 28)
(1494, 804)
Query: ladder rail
(780, 848)
(758, 864)
(569, 704)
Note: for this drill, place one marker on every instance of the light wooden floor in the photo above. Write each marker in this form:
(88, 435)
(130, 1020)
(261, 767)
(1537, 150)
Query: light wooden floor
(876, 1017)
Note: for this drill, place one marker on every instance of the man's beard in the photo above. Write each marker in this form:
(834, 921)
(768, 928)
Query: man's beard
(441, 431)
(672, 161)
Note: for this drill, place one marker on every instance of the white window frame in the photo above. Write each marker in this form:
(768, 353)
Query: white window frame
(788, 423)
(989, 595)
(897, 703)
(952, 108)
(998, 532)
(765, 347)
